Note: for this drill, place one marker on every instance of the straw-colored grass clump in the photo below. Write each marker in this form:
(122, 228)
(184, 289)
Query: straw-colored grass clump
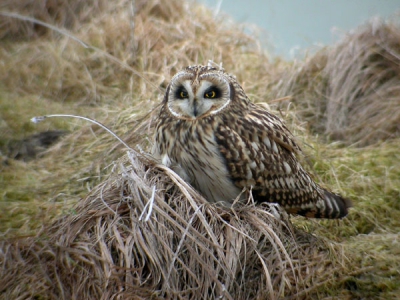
(144, 233)
(87, 220)
(64, 14)
(351, 91)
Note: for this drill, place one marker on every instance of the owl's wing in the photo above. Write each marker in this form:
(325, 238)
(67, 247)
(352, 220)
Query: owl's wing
(261, 154)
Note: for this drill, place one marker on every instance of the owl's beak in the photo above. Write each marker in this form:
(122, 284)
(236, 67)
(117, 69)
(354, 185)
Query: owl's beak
(195, 108)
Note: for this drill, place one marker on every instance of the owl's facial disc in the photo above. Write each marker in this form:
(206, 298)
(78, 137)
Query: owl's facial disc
(194, 99)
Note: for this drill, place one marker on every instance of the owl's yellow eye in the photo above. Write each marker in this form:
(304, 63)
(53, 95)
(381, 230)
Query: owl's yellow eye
(210, 94)
(183, 94)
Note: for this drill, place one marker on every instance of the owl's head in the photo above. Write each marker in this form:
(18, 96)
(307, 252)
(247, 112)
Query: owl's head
(198, 92)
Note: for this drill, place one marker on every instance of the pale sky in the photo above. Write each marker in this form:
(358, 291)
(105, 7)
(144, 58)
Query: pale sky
(293, 24)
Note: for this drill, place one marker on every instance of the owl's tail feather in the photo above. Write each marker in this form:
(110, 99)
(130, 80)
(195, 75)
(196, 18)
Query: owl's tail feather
(330, 206)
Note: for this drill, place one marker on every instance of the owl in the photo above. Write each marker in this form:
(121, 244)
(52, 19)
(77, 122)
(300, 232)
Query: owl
(226, 147)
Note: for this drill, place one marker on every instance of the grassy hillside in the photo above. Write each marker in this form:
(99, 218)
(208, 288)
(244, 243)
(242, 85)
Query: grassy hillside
(73, 204)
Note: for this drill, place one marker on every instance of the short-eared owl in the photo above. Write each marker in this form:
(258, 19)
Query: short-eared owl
(215, 138)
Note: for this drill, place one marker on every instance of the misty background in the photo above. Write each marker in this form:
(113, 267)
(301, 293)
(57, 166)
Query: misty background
(292, 26)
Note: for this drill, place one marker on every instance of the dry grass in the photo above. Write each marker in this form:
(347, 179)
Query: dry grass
(73, 219)
(144, 233)
(351, 91)
(62, 13)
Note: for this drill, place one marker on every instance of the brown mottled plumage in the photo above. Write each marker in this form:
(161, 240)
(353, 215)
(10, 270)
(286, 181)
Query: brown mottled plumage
(213, 136)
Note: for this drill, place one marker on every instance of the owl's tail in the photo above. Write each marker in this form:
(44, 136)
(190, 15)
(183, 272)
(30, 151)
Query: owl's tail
(330, 206)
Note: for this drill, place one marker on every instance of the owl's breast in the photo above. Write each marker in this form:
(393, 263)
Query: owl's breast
(193, 153)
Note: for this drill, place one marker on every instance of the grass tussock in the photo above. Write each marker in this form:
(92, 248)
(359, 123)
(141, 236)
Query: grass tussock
(144, 233)
(62, 13)
(350, 92)
(73, 220)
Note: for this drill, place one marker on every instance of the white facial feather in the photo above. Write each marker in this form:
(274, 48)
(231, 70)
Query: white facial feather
(197, 105)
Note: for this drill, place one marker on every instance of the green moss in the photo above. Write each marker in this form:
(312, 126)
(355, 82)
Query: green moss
(370, 177)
